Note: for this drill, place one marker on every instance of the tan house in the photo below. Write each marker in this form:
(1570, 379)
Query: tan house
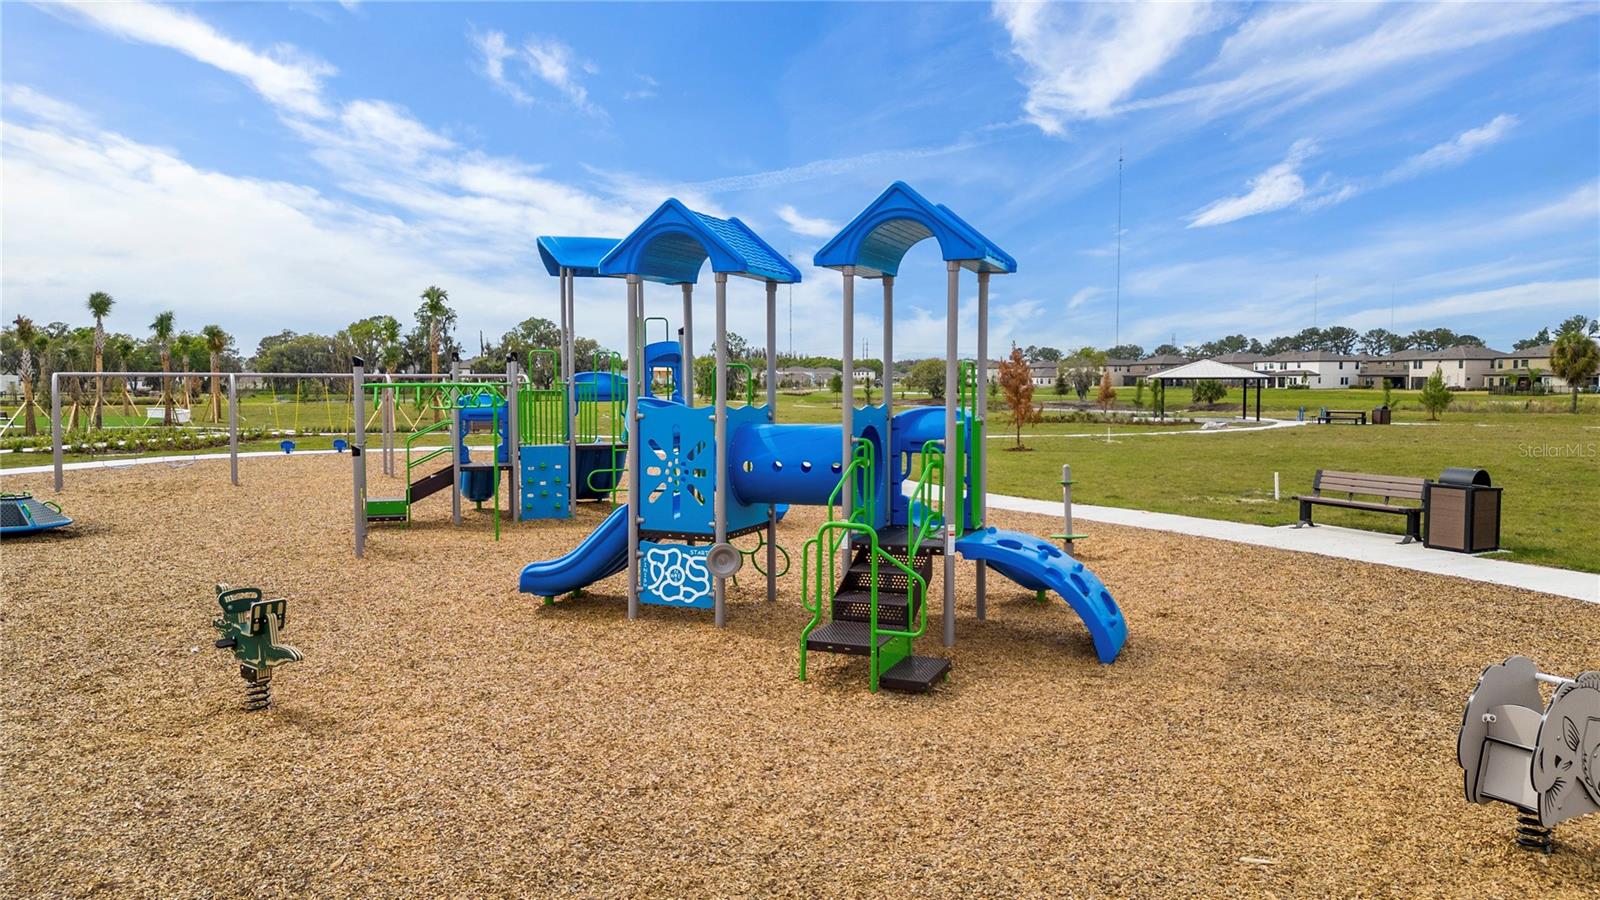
(1464, 368)
(1122, 371)
(1522, 369)
(1317, 369)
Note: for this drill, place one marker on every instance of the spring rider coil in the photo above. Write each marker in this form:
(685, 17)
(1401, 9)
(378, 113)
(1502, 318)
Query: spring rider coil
(249, 627)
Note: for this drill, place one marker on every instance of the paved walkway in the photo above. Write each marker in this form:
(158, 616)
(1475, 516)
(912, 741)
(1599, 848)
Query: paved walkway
(1330, 540)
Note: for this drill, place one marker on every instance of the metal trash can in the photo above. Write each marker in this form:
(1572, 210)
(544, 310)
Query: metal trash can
(1462, 512)
(1380, 416)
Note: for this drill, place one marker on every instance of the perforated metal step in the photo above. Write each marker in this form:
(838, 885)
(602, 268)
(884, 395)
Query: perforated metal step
(844, 637)
(856, 606)
(915, 674)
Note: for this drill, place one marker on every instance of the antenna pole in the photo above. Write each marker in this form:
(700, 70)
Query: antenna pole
(1117, 332)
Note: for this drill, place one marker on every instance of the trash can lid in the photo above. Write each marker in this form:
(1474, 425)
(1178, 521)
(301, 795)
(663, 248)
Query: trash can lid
(1464, 475)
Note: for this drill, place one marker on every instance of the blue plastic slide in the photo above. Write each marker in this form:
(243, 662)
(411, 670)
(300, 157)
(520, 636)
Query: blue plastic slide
(602, 553)
(1039, 565)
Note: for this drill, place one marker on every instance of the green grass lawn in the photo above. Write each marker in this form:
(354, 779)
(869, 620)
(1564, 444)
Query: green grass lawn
(1548, 461)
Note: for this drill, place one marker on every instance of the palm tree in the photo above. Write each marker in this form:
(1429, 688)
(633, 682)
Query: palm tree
(433, 307)
(1574, 357)
(217, 342)
(162, 329)
(186, 345)
(100, 304)
(122, 348)
(25, 337)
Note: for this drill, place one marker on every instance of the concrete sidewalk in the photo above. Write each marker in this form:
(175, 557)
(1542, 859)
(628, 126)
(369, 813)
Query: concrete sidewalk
(1329, 540)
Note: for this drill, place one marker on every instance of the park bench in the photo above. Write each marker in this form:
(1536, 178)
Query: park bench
(1353, 416)
(158, 414)
(1354, 484)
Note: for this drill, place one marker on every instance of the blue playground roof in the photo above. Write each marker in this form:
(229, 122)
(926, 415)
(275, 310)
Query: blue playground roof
(877, 239)
(580, 254)
(675, 241)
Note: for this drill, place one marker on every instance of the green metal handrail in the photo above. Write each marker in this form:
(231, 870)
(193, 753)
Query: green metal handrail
(861, 460)
(749, 382)
(411, 439)
(818, 586)
(928, 487)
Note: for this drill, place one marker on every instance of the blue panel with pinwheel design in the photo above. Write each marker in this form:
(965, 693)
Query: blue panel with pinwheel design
(677, 471)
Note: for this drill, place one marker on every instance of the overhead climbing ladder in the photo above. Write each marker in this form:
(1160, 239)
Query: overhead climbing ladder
(876, 606)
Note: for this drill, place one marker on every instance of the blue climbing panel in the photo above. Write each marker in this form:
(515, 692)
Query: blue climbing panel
(675, 575)
(545, 481)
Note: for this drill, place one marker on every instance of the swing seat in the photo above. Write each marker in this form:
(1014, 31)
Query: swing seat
(339, 445)
(288, 446)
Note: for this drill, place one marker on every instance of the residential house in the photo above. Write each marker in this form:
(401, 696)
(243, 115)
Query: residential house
(1143, 368)
(1464, 368)
(803, 377)
(1043, 374)
(1122, 371)
(1522, 369)
(1378, 370)
(1316, 369)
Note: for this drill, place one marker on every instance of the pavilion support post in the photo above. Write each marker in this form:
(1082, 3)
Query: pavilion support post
(1244, 400)
(634, 508)
(719, 491)
(772, 416)
(847, 364)
(688, 345)
(979, 451)
(952, 480)
(1258, 401)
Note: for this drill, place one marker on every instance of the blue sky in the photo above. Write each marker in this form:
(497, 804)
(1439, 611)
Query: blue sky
(302, 165)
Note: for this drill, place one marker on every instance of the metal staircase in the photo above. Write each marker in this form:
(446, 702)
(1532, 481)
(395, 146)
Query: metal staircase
(876, 606)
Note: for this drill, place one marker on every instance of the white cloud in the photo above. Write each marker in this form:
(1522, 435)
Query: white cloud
(555, 63)
(494, 52)
(1083, 60)
(645, 91)
(806, 226)
(822, 168)
(1084, 295)
(1456, 150)
(1453, 152)
(1274, 189)
(285, 77)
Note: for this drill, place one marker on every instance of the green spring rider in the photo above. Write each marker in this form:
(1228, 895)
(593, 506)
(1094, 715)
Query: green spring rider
(249, 627)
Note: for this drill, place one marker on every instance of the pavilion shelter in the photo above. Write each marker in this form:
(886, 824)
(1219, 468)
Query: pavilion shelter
(1209, 370)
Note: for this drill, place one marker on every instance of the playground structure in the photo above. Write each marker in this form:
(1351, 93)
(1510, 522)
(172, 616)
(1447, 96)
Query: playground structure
(249, 627)
(699, 477)
(1543, 760)
(22, 513)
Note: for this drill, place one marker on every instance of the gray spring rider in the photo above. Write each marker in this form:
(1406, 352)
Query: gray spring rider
(1543, 760)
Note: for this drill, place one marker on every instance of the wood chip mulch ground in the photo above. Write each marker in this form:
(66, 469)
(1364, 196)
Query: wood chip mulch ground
(1279, 724)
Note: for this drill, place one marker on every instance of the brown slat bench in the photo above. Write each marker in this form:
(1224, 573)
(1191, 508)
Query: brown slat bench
(1353, 416)
(1352, 484)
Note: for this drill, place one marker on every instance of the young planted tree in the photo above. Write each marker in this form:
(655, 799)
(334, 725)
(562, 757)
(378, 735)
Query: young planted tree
(1108, 394)
(122, 348)
(1209, 391)
(217, 342)
(1574, 358)
(186, 345)
(1435, 396)
(1061, 383)
(26, 335)
(1016, 384)
(100, 304)
(162, 329)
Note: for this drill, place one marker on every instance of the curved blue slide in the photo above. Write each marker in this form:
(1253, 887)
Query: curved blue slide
(1039, 565)
(603, 553)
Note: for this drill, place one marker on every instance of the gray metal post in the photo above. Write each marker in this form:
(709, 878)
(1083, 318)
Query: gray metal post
(358, 458)
(513, 438)
(634, 509)
(888, 390)
(388, 428)
(55, 425)
(719, 492)
(569, 347)
(952, 486)
(233, 427)
(458, 439)
(847, 363)
(772, 416)
(688, 344)
(981, 411)
(1066, 506)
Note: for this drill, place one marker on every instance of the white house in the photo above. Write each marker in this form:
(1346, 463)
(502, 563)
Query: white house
(1316, 369)
(1464, 368)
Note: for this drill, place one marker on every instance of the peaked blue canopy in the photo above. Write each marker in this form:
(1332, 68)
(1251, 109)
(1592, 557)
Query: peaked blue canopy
(876, 240)
(673, 243)
(580, 254)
